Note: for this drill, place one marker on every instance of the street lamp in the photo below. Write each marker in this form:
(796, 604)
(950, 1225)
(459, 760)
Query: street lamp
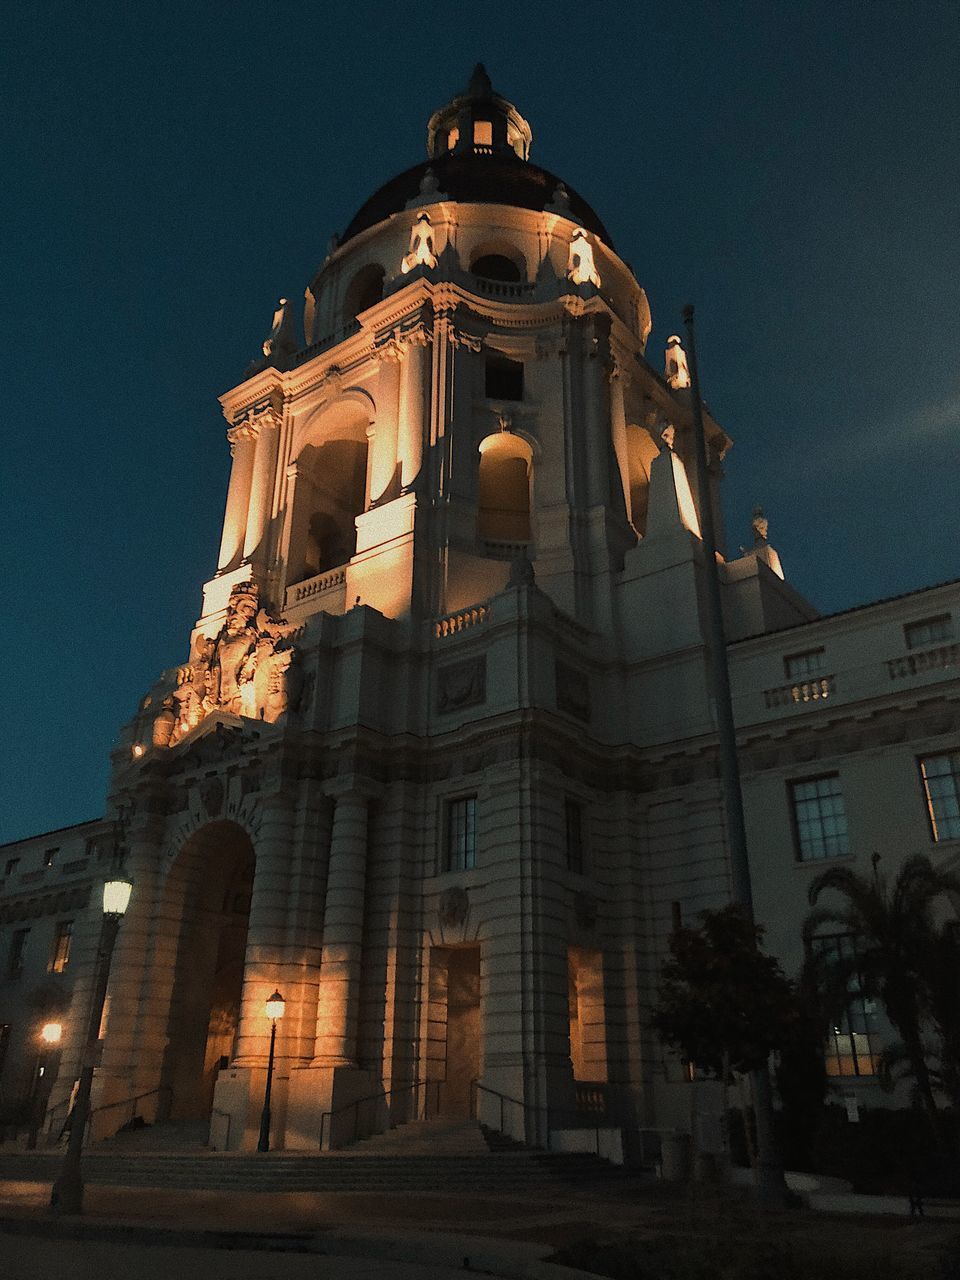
(50, 1034)
(67, 1193)
(274, 1010)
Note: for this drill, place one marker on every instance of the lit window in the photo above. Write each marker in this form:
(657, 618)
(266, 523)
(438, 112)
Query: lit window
(928, 631)
(483, 133)
(941, 785)
(850, 1048)
(12, 864)
(48, 856)
(61, 946)
(797, 666)
(820, 821)
(574, 833)
(461, 835)
(18, 945)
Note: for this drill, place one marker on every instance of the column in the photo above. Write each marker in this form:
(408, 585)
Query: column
(410, 427)
(618, 424)
(261, 485)
(339, 995)
(383, 434)
(243, 441)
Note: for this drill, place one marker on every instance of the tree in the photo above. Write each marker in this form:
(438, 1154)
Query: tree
(723, 1003)
(900, 958)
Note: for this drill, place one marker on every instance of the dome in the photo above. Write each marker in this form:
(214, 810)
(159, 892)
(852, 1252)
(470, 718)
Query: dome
(478, 146)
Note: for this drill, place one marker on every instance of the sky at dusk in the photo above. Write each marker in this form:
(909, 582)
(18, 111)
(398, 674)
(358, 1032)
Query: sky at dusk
(170, 170)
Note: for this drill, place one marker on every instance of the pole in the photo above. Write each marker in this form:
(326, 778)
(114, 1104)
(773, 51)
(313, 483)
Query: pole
(264, 1143)
(66, 1195)
(771, 1188)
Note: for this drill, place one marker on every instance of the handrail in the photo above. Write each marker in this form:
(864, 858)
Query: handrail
(123, 1102)
(326, 1120)
(551, 1112)
(107, 1106)
(215, 1111)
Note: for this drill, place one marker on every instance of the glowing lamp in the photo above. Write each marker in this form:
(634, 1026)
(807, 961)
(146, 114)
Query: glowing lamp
(116, 896)
(275, 1006)
(51, 1032)
(138, 750)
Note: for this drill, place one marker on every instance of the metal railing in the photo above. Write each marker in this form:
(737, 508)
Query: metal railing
(593, 1111)
(163, 1090)
(377, 1110)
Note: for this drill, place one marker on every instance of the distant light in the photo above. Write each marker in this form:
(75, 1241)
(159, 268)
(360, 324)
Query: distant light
(275, 1006)
(116, 896)
(138, 749)
(51, 1032)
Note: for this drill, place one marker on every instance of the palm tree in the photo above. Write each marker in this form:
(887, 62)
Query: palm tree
(894, 957)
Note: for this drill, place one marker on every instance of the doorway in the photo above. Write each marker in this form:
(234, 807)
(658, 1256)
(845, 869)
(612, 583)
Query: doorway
(455, 1025)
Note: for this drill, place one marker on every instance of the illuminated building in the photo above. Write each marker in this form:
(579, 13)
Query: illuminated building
(439, 763)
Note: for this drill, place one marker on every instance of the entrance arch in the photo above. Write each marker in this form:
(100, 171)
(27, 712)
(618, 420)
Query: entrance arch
(208, 894)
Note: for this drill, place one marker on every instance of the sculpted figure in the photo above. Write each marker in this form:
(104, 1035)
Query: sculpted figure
(581, 268)
(236, 641)
(421, 246)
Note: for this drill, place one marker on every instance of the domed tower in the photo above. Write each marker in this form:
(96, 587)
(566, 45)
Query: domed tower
(439, 756)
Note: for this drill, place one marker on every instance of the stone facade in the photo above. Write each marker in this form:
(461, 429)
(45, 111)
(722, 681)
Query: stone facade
(441, 762)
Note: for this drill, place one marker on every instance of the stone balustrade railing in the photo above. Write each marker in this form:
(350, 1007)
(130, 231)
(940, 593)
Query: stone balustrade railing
(914, 664)
(462, 620)
(301, 591)
(801, 692)
(504, 288)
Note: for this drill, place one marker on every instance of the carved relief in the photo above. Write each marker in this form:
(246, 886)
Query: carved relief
(249, 669)
(452, 907)
(464, 684)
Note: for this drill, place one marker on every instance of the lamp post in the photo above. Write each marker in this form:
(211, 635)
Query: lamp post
(274, 1008)
(772, 1188)
(50, 1034)
(67, 1193)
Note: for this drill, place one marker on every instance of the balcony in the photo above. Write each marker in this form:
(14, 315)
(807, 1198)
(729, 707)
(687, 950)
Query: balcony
(916, 664)
(463, 620)
(801, 693)
(510, 290)
(325, 589)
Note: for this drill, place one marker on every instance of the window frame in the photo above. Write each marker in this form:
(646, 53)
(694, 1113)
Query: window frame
(948, 632)
(810, 672)
(837, 1034)
(932, 820)
(449, 808)
(800, 856)
(62, 934)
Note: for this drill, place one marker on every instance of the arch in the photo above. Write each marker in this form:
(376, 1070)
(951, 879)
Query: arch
(641, 451)
(206, 904)
(331, 487)
(498, 259)
(504, 485)
(364, 290)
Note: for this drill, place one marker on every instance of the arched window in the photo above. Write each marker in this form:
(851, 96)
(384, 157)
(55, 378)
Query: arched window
(495, 266)
(364, 290)
(330, 492)
(503, 489)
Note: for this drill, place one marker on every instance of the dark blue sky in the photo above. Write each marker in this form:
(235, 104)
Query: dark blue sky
(170, 170)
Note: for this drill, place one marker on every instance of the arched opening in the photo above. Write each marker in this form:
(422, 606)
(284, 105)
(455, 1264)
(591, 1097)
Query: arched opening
(641, 451)
(207, 899)
(364, 290)
(494, 266)
(503, 489)
(331, 491)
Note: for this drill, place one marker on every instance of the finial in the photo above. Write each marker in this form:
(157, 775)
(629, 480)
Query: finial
(480, 85)
(760, 525)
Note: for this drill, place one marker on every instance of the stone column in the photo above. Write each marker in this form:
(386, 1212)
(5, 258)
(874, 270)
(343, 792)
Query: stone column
(383, 434)
(413, 398)
(243, 442)
(618, 424)
(261, 485)
(339, 996)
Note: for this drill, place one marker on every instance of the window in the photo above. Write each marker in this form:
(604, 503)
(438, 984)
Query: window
(574, 833)
(819, 818)
(483, 133)
(928, 631)
(12, 864)
(460, 853)
(61, 946)
(941, 785)
(850, 1048)
(797, 666)
(496, 266)
(90, 847)
(18, 945)
(503, 378)
(48, 856)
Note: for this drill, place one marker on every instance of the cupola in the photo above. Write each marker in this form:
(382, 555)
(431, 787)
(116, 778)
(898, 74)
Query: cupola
(478, 122)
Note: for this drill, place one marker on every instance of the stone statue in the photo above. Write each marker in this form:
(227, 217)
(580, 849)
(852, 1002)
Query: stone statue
(761, 526)
(675, 369)
(249, 669)
(581, 268)
(421, 246)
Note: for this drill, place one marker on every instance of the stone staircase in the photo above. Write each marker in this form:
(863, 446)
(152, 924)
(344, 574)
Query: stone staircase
(436, 1156)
